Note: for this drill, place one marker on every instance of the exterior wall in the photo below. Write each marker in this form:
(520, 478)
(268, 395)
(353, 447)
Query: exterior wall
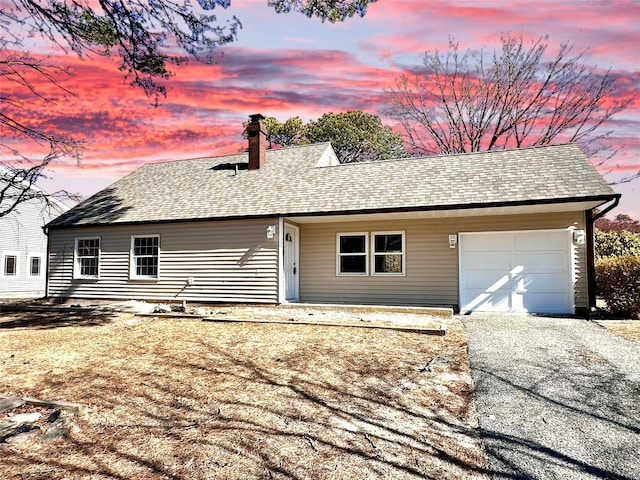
(229, 261)
(431, 276)
(21, 234)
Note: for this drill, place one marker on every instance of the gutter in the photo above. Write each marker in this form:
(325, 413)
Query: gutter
(616, 201)
(355, 211)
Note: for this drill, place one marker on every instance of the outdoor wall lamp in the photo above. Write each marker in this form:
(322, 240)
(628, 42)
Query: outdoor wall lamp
(578, 237)
(453, 240)
(271, 231)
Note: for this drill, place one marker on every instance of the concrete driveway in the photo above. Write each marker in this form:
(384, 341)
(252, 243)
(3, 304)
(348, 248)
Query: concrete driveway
(558, 398)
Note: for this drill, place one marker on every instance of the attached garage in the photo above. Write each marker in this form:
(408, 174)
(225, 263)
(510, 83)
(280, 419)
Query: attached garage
(517, 271)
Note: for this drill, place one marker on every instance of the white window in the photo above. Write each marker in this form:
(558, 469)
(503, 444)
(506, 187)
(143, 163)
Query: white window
(87, 257)
(145, 256)
(10, 264)
(35, 266)
(388, 253)
(352, 258)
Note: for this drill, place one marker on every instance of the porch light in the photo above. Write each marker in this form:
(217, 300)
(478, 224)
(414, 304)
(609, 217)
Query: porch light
(578, 237)
(271, 231)
(453, 240)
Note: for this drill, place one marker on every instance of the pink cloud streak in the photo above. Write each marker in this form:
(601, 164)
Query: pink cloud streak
(207, 104)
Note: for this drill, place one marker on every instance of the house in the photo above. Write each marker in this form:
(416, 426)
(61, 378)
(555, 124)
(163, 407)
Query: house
(505, 230)
(23, 243)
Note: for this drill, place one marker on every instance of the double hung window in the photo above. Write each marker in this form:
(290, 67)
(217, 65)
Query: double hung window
(10, 264)
(388, 253)
(87, 259)
(145, 256)
(352, 254)
(35, 266)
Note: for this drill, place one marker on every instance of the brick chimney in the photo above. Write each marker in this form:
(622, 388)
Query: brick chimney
(257, 134)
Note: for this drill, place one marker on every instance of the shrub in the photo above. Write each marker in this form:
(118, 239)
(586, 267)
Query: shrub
(616, 244)
(618, 282)
(621, 222)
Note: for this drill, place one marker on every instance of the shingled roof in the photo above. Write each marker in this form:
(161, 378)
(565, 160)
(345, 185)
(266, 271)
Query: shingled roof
(293, 183)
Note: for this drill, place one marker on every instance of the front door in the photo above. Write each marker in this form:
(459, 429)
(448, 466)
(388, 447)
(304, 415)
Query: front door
(291, 262)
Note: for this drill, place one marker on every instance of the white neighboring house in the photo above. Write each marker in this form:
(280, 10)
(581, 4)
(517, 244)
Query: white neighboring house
(23, 246)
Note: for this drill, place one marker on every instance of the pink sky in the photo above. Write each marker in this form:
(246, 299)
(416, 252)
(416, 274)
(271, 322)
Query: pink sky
(286, 65)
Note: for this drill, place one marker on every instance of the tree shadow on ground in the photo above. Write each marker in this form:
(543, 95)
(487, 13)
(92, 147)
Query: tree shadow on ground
(53, 319)
(582, 399)
(235, 405)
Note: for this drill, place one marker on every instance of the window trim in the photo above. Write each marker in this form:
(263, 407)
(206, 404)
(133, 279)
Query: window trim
(40, 273)
(132, 260)
(402, 253)
(9, 253)
(365, 254)
(76, 259)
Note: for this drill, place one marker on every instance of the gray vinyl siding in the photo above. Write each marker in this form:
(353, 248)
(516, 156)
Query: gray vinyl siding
(229, 261)
(21, 234)
(431, 276)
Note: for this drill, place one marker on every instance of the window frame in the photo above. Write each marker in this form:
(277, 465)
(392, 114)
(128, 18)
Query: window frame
(365, 254)
(40, 258)
(133, 263)
(77, 268)
(402, 253)
(9, 253)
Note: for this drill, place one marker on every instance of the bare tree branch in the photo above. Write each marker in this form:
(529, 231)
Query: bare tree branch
(460, 103)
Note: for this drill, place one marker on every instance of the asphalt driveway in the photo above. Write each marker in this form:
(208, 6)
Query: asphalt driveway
(558, 398)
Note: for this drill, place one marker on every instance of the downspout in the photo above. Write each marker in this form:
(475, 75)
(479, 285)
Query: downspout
(46, 271)
(590, 219)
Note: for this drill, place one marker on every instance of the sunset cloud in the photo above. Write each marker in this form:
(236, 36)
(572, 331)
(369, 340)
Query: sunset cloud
(287, 65)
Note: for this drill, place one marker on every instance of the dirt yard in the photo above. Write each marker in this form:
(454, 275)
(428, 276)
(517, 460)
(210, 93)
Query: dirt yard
(629, 329)
(187, 399)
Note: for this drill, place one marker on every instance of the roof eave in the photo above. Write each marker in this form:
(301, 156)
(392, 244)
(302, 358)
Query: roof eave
(597, 199)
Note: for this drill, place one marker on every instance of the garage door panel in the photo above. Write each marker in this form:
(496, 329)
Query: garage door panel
(541, 261)
(541, 282)
(548, 302)
(542, 241)
(488, 260)
(516, 271)
(489, 243)
(489, 302)
(490, 281)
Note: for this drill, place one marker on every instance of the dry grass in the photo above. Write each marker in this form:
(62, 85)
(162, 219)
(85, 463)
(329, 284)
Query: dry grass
(629, 329)
(186, 399)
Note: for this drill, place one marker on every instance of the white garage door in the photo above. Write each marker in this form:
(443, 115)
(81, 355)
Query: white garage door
(524, 271)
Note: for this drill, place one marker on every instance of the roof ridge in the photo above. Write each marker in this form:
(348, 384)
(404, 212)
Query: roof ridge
(238, 154)
(461, 154)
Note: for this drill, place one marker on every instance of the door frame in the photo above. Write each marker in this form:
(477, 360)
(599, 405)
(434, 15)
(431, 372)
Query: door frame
(296, 261)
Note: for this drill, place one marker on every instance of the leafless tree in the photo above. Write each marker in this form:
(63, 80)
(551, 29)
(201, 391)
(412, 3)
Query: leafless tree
(467, 101)
(19, 175)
